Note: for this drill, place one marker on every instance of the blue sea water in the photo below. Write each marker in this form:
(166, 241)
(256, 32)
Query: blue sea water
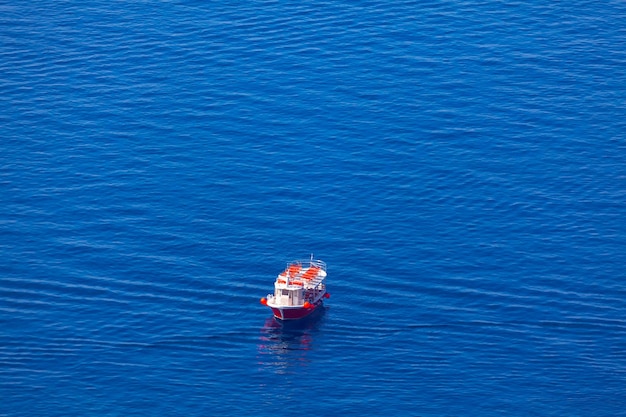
(459, 165)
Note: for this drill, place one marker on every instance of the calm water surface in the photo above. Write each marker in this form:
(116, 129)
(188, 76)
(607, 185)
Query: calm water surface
(459, 165)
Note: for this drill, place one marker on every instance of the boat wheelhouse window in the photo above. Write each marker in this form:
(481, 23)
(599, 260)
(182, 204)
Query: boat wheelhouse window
(285, 292)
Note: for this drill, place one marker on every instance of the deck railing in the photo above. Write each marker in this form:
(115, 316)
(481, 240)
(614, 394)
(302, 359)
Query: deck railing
(308, 263)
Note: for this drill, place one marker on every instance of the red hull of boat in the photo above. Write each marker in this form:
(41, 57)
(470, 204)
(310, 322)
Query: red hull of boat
(286, 313)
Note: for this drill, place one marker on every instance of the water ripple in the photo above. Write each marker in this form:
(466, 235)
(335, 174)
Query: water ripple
(459, 166)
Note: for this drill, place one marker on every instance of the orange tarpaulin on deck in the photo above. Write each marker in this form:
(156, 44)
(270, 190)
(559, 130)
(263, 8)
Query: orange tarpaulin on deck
(311, 273)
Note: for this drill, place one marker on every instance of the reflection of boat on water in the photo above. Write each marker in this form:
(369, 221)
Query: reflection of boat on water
(299, 290)
(284, 344)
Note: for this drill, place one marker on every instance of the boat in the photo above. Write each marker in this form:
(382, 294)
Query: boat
(299, 290)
